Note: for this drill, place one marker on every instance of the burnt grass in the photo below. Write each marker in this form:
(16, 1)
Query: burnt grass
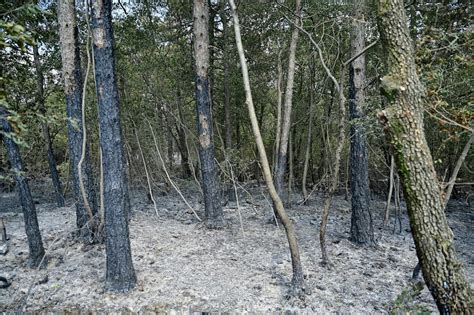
(182, 266)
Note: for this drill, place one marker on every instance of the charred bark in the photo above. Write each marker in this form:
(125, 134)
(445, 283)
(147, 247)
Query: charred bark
(45, 128)
(120, 274)
(210, 185)
(35, 243)
(362, 230)
(73, 85)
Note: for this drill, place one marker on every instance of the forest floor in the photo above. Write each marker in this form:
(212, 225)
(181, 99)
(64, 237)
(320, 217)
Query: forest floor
(181, 266)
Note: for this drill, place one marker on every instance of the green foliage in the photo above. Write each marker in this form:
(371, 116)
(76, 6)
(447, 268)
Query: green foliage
(405, 303)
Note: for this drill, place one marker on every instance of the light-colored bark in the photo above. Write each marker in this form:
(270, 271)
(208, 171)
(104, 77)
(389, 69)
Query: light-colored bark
(297, 280)
(403, 123)
(287, 107)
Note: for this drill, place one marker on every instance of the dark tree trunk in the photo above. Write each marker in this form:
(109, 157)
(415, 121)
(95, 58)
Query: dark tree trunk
(73, 85)
(35, 244)
(181, 140)
(403, 123)
(120, 274)
(362, 231)
(212, 203)
(44, 126)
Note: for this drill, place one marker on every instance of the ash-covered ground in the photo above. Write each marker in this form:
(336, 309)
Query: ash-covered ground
(181, 266)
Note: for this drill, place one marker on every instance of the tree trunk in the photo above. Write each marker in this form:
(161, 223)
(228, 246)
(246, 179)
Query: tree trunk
(35, 244)
(403, 124)
(210, 185)
(286, 118)
(310, 132)
(73, 85)
(44, 126)
(227, 109)
(297, 281)
(120, 274)
(362, 230)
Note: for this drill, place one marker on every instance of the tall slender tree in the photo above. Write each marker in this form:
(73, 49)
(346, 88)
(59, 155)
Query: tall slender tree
(45, 128)
(403, 123)
(120, 274)
(73, 86)
(362, 231)
(297, 280)
(35, 243)
(212, 202)
(282, 157)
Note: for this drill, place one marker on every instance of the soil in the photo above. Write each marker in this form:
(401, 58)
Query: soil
(182, 266)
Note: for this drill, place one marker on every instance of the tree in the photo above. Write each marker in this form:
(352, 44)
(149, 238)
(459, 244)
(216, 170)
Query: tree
(297, 280)
(120, 274)
(212, 203)
(73, 88)
(402, 120)
(282, 156)
(44, 126)
(35, 243)
(362, 231)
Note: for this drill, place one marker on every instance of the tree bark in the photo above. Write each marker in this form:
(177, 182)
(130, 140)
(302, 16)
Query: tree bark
(227, 109)
(45, 128)
(73, 86)
(403, 123)
(297, 280)
(286, 118)
(120, 274)
(210, 185)
(310, 132)
(33, 235)
(362, 230)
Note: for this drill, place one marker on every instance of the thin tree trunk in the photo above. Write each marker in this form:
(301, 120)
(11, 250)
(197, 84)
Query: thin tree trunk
(310, 133)
(334, 181)
(227, 109)
(44, 126)
(454, 175)
(362, 230)
(210, 185)
(33, 235)
(279, 105)
(403, 124)
(286, 118)
(297, 280)
(390, 190)
(120, 274)
(73, 86)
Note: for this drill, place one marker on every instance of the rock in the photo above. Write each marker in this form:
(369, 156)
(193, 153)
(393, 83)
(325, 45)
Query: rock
(43, 278)
(4, 247)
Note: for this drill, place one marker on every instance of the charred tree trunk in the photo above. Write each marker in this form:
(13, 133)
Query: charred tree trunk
(286, 118)
(44, 126)
(120, 274)
(35, 243)
(362, 230)
(73, 85)
(403, 124)
(210, 185)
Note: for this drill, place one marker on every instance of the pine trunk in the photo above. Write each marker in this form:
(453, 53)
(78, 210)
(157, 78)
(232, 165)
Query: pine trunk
(210, 185)
(35, 243)
(403, 124)
(362, 231)
(45, 128)
(73, 85)
(120, 274)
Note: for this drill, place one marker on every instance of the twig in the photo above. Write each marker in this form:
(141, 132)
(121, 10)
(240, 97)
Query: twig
(167, 174)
